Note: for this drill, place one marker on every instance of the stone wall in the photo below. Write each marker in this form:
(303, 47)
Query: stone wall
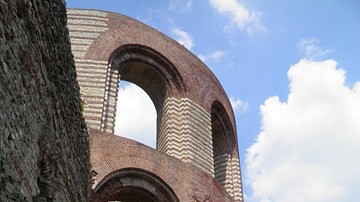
(44, 153)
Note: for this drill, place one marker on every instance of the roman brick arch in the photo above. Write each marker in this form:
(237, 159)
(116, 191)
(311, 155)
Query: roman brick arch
(195, 121)
(148, 69)
(144, 169)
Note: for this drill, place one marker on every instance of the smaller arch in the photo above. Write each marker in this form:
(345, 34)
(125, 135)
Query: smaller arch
(133, 184)
(222, 141)
(224, 123)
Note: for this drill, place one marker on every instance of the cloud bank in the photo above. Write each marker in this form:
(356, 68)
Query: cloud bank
(309, 146)
(240, 17)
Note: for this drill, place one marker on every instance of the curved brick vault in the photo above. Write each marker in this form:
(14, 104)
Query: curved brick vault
(196, 132)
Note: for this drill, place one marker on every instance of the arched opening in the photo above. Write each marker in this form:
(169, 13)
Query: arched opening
(219, 149)
(133, 185)
(146, 68)
(135, 114)
(221, 140)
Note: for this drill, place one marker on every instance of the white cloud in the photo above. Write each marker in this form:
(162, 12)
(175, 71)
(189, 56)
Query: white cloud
(239, 105)
(180, 5)
(309, 147)
(240, 16)
(215, 56)
(309, 47)
(183, 37)
(135, 115)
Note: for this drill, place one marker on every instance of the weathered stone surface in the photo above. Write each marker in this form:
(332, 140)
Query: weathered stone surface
(44, 153)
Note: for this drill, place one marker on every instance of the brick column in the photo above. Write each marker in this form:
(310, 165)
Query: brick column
(185, 133)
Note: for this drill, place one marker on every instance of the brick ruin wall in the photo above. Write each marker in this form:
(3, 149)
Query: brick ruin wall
(44, 149)
(184, 129)
(97, 79)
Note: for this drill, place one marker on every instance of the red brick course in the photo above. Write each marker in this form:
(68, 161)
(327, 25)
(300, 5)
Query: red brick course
(110, 153)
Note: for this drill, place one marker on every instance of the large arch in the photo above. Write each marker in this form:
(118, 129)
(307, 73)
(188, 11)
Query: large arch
(108, 47)
(146, 68)
(149, 70)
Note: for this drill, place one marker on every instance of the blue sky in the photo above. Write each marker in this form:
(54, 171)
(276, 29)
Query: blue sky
(287, 66)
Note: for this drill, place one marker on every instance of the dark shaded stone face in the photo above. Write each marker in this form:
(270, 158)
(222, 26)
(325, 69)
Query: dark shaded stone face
(44, 153)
